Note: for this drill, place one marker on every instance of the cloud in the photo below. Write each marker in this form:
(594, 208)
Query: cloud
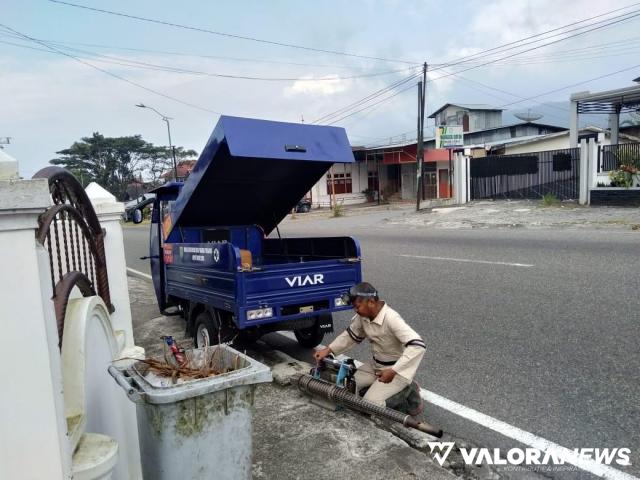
(503, 21)
(325, 85)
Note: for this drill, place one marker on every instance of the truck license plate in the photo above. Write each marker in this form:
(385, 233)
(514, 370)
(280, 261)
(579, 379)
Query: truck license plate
(308, 309)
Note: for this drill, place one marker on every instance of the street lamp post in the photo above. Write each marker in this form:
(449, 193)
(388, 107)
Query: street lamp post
(173, 150)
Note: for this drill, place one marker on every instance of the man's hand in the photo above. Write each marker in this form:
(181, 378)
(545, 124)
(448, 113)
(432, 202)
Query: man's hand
(320, 354)
(386, 375)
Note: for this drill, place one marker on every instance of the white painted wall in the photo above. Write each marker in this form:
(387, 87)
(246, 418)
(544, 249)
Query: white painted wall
(359, 181)
(34, 406)
(108, 410)
(90, 346)
(33, 443)
(110, 215)
(555, 143)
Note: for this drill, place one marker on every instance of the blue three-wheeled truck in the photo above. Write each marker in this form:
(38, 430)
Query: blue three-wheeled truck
(212, 259)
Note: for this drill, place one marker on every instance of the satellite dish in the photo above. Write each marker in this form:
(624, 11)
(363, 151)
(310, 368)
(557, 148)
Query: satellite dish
(528, 116)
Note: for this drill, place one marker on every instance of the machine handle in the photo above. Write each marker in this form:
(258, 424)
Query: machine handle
(127, 384)
(295, 148)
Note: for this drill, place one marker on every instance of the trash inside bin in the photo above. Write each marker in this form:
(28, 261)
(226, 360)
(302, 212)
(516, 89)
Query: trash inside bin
(193, 427)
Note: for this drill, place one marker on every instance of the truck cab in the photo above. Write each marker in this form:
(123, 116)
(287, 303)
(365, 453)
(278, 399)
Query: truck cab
(214, 259)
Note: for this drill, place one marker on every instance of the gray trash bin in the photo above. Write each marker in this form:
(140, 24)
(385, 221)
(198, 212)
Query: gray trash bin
(196, 429)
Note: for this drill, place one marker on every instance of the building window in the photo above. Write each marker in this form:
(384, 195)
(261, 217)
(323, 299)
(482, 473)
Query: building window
(372, 181)
(513, 132)
(342, 183)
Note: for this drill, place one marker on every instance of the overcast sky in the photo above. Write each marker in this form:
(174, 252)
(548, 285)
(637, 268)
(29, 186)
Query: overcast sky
(50, 100)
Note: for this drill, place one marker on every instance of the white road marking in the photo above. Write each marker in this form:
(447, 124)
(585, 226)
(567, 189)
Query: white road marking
(509, 431)
(524, 437)
(466, 260)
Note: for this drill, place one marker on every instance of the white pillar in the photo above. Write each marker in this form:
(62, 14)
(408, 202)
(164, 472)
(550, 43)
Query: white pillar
(8, 166)
(583, 197)
(110, 213)
(33, 425)
(461, 180)
(592, 180)
(573, 124)
(614, 125)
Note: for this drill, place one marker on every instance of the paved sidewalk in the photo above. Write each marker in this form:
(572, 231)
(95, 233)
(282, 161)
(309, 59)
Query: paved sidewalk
(292, 438)
(522, 214)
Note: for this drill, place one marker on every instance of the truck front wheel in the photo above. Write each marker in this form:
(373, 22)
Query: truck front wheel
(206, 332)
(212, 327)
(310, 337)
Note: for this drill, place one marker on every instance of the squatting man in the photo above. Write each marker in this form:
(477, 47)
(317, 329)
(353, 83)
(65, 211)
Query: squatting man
(397, 348)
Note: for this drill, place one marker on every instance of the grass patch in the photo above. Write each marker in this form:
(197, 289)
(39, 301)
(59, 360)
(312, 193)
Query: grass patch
(337, 210)
(549, 199)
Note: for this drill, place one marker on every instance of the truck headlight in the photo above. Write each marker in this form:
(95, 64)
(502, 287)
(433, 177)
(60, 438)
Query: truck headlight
(259, 313)
(340, 302)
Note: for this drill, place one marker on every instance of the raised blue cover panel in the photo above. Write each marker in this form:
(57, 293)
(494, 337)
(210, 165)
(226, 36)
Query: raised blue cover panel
(253, 172)
(249, 137)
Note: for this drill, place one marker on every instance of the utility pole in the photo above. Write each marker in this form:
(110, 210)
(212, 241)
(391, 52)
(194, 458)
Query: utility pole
(333, 189)
(173, 151)
(422, 92)
(171, 147)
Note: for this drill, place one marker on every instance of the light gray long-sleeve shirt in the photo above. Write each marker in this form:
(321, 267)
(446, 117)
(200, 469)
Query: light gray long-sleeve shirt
(394, 343)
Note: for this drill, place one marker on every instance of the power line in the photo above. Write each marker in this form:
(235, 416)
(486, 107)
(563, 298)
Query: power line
(366, 99)
(572, 85)
(111, 74)
(468, 80)
(193, 55)
(513, 45)
(166, 68)
(589, 27)
(228, 35)
(575, 59)
(535, 48)
(372, 105)
(550, 91)
(570, 55)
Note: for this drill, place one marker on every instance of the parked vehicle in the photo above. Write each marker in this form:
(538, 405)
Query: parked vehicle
(212, 260)
(138, 204)
(303, 206)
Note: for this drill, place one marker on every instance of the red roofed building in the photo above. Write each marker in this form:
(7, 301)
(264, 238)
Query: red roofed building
(184, 168)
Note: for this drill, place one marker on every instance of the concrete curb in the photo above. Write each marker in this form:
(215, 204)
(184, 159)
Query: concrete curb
(137, 274)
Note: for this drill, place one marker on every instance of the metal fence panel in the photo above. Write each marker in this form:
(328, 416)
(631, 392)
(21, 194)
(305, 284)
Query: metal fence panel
(527, 175)
(610, 157)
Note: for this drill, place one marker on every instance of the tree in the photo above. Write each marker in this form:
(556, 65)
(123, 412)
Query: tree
(114, 162)
(163, 162)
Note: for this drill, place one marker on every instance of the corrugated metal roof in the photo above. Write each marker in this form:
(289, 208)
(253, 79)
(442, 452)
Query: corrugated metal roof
(467, 106)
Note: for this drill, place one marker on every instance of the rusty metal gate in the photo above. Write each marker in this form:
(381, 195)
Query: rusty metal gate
(71, 233)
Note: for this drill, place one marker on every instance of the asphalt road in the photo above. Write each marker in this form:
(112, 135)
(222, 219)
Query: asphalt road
(550, 347)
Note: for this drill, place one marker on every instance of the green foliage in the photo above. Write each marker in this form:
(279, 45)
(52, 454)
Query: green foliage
(628, 158)
(623, 176)
(337, 210)
(549, 199)
(114, 162)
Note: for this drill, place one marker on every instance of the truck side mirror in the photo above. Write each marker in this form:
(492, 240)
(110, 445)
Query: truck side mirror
(137, 216)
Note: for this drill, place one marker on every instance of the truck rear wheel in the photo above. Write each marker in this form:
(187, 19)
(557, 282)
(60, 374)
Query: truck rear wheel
(310, 337)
